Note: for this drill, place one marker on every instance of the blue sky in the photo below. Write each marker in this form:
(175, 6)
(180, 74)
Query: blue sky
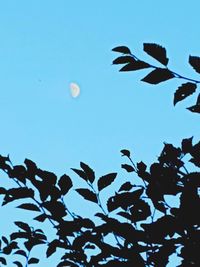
(45, 45)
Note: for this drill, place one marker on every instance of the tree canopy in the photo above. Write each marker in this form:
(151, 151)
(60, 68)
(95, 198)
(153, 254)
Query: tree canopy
(138, 225)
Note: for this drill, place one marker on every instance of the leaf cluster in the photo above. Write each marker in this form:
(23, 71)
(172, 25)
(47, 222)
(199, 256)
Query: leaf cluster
(161, 73)
(137, 216)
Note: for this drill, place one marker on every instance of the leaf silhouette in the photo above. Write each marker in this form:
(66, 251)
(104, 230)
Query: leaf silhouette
(18, 263)
(87, 194)
(80, 173)
(88, 171)
(135, 65)
(21, 252)
(5, 240)
(195, 63)
(123, 60)
(41, 218)
(3, 261)
(158, 75)
(65, 183)
(128, 167)
(29, 206)
(23, 226)
(106, 180)
(156, 51)
(186, 145)
(184, 91)
(195, 108)
(122, 49)
(126, 187)
(33, 261)
(125, 152)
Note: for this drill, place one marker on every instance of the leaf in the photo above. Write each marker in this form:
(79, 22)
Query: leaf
(52, 246)
(198, 100)
(135, 65)
(106, 180)
(20, 252)
(184, 91)
(87, 194)
(65, 183)
(2, 191)
(3, 261)
(5, 240)
(195, 108)
(80, 173)
(156, 51)
(126, 187)
(141, 166)
(123, 60)
(18, 263)
(158, 75)
(23, 226)
(126, 153)
(33, 261)
(186, 145)
(128, 167)
(41, 218)
(88, 171)
(28, 206)
(122, 49)
(195, 63)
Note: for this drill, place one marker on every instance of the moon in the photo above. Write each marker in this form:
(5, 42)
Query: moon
(74, 89)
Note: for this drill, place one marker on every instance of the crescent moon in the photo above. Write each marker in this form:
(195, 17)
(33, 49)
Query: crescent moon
(74, 89)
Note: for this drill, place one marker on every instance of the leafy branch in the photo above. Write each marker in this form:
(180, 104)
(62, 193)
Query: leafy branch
(160, 74)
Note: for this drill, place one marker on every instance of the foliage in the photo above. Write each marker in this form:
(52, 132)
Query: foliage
(146, 229)
(160, 74)
(138, 225)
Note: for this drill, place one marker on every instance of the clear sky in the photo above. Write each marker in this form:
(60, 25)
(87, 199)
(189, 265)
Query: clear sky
(45, 45)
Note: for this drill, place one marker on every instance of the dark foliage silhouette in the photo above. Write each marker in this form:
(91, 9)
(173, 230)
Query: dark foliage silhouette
(137, 225)
(145, 228)
(160, 74)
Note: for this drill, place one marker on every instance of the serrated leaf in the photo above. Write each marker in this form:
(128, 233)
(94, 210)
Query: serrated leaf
(186, 145)
(141, 166)
(106, 180)
(3, 261)
(123, 60)
(128, 167)
(126, 153)
(156, 51)
(195, 63)
(88, 171)
(65, 184)
(135, 65)
(158, 75)
(18, 263)
(80, 173)
(122, 49)
(87, 194)
(33, 261)
(28, 206)
(184, 91)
